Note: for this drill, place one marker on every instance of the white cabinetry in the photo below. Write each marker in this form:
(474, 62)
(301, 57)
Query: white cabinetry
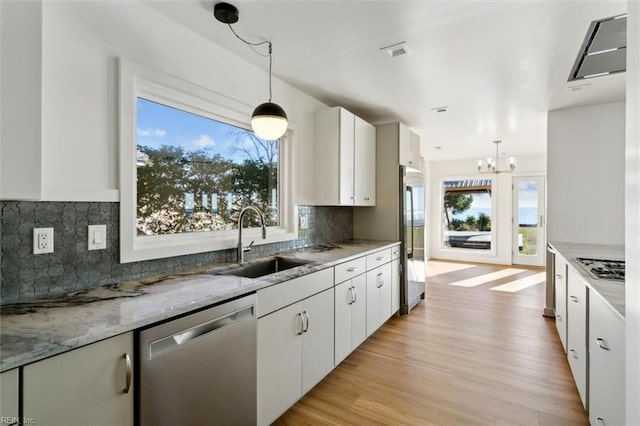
(577, 331)
(85, 386)
(9, 396)
(409, 147)
(561, 299)
(606, 364)
(395, 279)
(345, 158)
(350, 316)
(379, 289)
(295, 343)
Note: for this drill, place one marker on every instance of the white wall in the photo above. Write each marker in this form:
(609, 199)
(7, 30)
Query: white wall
(81, 44)
(585, 173)
(502, 196)
(632, 243)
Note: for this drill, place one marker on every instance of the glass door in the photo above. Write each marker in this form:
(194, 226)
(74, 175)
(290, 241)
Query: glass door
(528, 221)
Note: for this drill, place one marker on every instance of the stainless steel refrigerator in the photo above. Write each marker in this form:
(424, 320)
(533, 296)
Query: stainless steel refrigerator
(412, 233)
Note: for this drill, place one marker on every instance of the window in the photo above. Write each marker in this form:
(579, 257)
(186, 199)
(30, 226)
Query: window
(188, 159)
(189, 164)
(467, 214)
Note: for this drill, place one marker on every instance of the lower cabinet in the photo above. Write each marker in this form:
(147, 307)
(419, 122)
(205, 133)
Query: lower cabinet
(606, 364)
(350, 316)
(9, 397)
(395, 286)
(577, 353)
(85, 386)
(295, 351)
(560, 285)
(378, 297)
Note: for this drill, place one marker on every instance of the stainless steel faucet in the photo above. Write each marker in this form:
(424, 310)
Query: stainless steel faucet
(241, 248)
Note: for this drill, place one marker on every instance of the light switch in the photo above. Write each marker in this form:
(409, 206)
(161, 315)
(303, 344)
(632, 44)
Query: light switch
(97, 237)
(304, 222)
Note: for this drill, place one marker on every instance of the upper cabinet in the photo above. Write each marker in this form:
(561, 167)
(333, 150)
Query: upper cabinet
(408, 147)
(345, 159)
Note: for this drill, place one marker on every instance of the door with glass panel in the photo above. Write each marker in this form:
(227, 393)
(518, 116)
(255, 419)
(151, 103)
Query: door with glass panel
(528, 220)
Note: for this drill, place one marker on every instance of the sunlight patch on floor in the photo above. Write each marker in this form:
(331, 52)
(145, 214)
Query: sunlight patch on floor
(522, 283)
(436, 268)
(485, 278)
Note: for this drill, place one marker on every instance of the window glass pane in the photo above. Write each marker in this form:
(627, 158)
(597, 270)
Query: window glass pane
(527, 217)
(195, 173)
(466, 217)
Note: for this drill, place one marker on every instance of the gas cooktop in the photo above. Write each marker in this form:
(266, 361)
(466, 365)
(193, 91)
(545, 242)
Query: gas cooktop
(605, 269)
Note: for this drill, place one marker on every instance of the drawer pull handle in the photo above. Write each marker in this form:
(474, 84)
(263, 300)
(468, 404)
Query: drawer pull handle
(379, 258)
(306, 316)
(301, 324)
(558, 276)
(128, 369)
(352, 269)
(559, 317)
(366, 198)
(600, 421)
(601, 344)
(573, 353)
(574, 299)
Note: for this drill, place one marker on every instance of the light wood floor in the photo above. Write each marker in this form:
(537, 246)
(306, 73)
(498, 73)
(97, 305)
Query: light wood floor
(476, 351)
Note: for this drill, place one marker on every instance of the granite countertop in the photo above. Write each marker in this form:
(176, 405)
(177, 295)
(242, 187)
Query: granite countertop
(611, 291)
(42, 328)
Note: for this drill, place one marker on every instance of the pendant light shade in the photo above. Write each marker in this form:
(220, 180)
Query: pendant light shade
(269, 121)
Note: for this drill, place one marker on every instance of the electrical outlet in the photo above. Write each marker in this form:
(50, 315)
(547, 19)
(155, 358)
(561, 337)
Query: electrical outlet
(304, 222)
(42, 240)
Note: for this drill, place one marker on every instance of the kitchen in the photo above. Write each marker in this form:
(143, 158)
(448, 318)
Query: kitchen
(70, 51)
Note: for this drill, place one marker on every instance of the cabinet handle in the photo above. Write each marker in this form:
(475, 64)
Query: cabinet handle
(301, 324)
(128, 373)
(601, 344)
(573, 353)
(352, 269)
(306, 316)
(574, 299)
(355, 294)
(366, 198)
(600, 421)
(351, 301)
(559, 317)
(559, 276)
(379, 258)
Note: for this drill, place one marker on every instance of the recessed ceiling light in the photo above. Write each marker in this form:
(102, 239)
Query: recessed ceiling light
(397, 49)
(443, 108)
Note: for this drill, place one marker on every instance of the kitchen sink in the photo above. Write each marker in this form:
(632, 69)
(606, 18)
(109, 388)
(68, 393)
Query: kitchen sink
(265, 267)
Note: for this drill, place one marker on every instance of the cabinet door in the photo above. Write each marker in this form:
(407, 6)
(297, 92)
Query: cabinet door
(317, 339)
(346, 157)
(373, 300)
(359, 311)
(577, 357)
(415, 159)
(83, 386)
(606, 364)
(343, 299)
(10, 396)
(279, 362)
(364, 181)
(561, 299)
(395, 286)
(404, 144)
(386, 290)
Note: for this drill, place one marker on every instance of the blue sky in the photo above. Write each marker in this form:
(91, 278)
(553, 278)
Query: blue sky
(162, 125)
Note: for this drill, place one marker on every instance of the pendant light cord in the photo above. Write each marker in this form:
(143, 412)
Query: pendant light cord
(257, 44)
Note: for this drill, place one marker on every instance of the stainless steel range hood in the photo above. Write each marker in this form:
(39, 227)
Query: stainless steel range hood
(604, 49)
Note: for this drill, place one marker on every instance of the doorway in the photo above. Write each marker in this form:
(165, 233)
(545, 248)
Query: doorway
(528, 245)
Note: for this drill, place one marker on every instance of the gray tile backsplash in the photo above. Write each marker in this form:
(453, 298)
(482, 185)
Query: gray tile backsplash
(71, 267)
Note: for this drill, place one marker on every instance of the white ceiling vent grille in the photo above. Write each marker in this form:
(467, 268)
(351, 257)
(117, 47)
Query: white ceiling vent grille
(397, 49)
(603, 51)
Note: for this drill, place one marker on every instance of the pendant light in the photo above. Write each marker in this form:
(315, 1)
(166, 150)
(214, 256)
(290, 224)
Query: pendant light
(492, 163)
(268, 121)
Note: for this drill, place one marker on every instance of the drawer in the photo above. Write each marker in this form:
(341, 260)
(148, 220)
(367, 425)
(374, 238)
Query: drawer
(577, 301)
(395, 252)
(347, 270)
(577, 356)
(283, 294)
(378, 258)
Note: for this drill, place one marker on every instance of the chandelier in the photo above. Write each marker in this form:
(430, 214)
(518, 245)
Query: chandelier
(491, 163)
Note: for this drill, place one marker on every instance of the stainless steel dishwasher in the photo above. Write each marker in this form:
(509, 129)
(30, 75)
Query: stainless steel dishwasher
(200, 369)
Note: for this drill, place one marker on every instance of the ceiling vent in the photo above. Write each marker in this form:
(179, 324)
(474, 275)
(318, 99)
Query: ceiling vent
(604, 49)
(397, 49)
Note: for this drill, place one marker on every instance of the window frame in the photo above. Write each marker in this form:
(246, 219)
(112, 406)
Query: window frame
(137, 80)
(492, 252)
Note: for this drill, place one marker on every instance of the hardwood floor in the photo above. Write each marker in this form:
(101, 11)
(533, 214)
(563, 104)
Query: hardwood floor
(476, 351)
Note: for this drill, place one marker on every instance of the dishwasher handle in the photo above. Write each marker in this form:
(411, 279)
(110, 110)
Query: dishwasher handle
(181, 338)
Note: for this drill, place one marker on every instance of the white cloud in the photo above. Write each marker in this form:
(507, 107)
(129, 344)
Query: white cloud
(145, 133)
(203, 142)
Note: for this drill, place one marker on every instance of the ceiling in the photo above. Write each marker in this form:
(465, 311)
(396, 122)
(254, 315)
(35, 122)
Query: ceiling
(497, 66)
